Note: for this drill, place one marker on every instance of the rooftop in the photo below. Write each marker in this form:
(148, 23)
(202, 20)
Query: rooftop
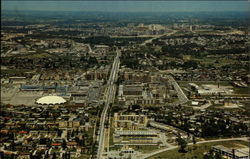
(51, 100)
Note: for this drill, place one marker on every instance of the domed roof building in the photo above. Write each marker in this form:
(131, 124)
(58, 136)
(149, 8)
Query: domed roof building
(51, 100)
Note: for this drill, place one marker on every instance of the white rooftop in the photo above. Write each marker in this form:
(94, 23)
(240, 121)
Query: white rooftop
(50, 100)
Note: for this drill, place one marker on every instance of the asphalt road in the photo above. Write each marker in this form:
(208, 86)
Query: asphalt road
(109, 99)
(181, 95)
(157, 37)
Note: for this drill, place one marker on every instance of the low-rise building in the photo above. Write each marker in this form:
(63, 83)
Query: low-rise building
(241, 153)
(130, 121)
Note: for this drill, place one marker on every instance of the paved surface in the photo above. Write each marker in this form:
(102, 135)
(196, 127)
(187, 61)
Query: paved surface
(90, 49)
(157, 37)
(109, 99)
(200, 142)
(181, 95)
(14, 96)
(205, 106)
(164, 140)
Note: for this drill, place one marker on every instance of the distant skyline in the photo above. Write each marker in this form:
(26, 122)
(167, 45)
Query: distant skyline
(127, 6)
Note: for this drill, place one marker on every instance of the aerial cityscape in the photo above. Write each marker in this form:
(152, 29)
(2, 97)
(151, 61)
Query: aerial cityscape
(125, 80)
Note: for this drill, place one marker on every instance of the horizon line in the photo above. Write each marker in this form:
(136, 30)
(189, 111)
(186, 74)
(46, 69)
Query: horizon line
(120, 11)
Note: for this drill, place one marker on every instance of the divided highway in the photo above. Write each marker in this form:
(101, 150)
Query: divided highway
(109, 99)
(157, 37)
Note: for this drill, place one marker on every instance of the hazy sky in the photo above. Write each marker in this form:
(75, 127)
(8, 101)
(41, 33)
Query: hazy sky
(127, 6)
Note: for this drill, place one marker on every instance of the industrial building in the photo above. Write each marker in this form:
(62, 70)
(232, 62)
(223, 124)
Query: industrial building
(242, 153)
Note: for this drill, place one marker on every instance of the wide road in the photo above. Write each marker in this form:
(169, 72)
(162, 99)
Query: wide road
(109, 99)
(157, 37)
(181, 95)
(200, 142)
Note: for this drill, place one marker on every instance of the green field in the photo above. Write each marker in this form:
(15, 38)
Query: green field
(185, 83)
(217, 62)
(14, 71)
(83, 156)
(34, 56)
(111, 142)
(196, 151)
(145, 148)
(244, 91)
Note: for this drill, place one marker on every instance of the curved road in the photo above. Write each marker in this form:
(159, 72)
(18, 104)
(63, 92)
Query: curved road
(200, 142)
(157, 37)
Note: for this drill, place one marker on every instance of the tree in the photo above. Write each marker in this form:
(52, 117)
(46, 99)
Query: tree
(59, 132)
(207, 156)
(12, 156)
(1, 154)
(182, 143)
(68, 155)
(54, 156)
(64, 156)
(190, 64)
(46, 154)
(194, 140)
(218, 156)
(73, 133)
(212, 155)
(64, 145)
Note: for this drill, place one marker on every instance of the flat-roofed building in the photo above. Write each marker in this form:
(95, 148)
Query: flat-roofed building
(135, 137)
(138, 133)
(130, 121)
(132, 90)
(18, 80)
(241, 153)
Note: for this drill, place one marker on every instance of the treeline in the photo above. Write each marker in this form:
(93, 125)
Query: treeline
(92, 40)
(209, 127)
(106, 40)
(187, 49)
(50, 62)
(16, 23)
(191, 36)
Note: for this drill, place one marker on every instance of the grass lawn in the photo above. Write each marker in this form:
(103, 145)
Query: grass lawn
(244, 91)
(217, 62)
(195, 152)
(15, 71)
(115, 148)
(82, 157)
(246, 106)
(185, 83)
(36, 55)
(206, 32)
(145, 148)
(90, 132)
(112, 130)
